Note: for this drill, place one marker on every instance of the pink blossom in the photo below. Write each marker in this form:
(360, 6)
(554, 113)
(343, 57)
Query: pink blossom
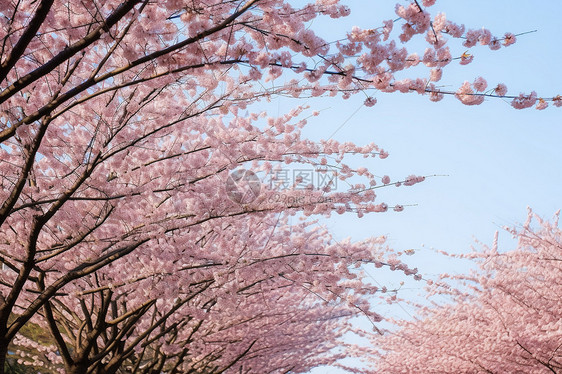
(439, 22)
(435, 39)
(429, 57)
(472, 37)
(435, 74)
(138, 174)
(524, 101)
(501, 89)
(412, 60)
(485, 36)
(466, 58)
(382, 81)
(435, 95)
(370, 101)
(509, 302)
(381, 208)
(419, 85)
(509, 39)
(413, 179)
(453, 29)
(467, 95)
(480, 84)
(542, 104)
(443, 56)
(495, 44)
(403, 85)
(387, 29)
(362, 171)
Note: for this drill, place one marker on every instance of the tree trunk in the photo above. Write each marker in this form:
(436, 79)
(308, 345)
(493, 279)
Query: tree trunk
(3, 349)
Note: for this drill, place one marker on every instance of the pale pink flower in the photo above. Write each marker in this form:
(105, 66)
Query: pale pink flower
(385, 179)
(509, 39)
(542, 104)
(439, 22)
(381, 208)
(370, 101)
(429, 57)
(403, 85)
(467, 96)
(412, 60)
(383, 154)
(382, 81)
(485, 36)
(466, 58)
(480, 84)
(419, 85)
(501, 89)
(255, 74)
(300, 68)
(413, 179)
(472, 37)
(454, 30)
(495, 44)
(407, 32)
(524, 101)
(443, 56)
(362, 171)
(387, 29)
(435, 75)
(435, 38)
(435, 95)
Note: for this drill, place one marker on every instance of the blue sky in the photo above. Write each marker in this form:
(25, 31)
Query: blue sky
(498, 160)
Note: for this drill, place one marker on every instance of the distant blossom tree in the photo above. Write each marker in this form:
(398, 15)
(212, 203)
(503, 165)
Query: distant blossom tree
(120, 122)
(505, 318)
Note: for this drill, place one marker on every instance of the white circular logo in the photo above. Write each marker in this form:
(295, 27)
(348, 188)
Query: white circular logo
(243, 186)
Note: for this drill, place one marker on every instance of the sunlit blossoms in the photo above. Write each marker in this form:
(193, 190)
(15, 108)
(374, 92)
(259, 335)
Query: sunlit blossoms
(124, 247)
(504, 318)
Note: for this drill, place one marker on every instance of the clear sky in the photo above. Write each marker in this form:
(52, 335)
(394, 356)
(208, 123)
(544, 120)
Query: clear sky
(498, 160)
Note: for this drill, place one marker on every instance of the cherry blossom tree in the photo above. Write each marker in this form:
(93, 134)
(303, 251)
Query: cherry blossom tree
(231, 306)
(120, 123)
(505, 317)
